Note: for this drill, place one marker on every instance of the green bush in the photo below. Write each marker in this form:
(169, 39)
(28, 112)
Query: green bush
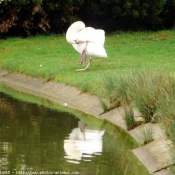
(25, 17)
(126, 15)
(36, 16)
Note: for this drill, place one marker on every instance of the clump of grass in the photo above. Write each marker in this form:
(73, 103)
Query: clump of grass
(170, 131)
(141, 89)
(117, 89)
(152, 94)
(172, 170)
(166, 105)
(129, 117)
(146, 92)
(104, 106)
(147, 134)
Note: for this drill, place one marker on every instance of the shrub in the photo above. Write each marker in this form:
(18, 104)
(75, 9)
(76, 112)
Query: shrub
(36, 16)
(125, 15)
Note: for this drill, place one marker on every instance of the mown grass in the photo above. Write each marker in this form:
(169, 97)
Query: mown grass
(52, 58)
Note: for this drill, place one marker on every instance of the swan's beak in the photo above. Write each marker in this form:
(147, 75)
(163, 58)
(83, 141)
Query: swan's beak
(78, 41)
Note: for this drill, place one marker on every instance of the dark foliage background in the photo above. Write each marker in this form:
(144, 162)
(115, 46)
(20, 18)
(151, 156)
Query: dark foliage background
(26, 17)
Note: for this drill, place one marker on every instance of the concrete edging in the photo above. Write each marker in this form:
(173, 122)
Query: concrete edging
(156, 156)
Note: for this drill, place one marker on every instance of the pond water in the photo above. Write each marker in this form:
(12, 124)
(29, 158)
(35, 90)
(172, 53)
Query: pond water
(38, 140)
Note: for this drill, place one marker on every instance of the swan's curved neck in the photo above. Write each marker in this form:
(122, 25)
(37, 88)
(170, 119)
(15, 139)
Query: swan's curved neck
(73, 30)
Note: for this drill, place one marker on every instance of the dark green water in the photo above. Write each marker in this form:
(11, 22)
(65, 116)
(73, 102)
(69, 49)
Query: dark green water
(35, 139)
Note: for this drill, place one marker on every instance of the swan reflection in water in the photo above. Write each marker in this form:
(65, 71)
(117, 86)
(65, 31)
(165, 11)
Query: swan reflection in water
(83, 143)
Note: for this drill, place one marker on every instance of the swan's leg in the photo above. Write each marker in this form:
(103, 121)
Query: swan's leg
(90, 60)
(83, 57)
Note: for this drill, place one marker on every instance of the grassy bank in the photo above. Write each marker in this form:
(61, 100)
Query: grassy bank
(52, 58)
(152, 93)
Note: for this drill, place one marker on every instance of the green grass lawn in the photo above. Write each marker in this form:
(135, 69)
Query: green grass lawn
(52, 58)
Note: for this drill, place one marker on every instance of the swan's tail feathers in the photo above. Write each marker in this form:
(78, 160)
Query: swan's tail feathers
(102, 54)
(95, 50)
(105, 54)
(100, 36)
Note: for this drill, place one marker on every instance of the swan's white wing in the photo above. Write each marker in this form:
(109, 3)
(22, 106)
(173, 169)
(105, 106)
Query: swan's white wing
(79, 47)
(92, 49)
(85, 34)
(95, 50)
(92, 35)
(98, 37)
(95, 39)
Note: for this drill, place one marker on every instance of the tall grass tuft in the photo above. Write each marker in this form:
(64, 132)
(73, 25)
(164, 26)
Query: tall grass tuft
(145, 90)
(152, 94)
(172, 170)
(104, 106)
(170, 131)
(147, 134)
(166, 105)
(117, 89)
(129, 117)
(171, 134)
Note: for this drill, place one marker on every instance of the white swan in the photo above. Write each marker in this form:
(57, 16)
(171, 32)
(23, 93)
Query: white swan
(87, 41)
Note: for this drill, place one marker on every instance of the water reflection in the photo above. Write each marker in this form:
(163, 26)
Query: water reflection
(35, 138)
(31, 136)
(83, 143)
(5, 147)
